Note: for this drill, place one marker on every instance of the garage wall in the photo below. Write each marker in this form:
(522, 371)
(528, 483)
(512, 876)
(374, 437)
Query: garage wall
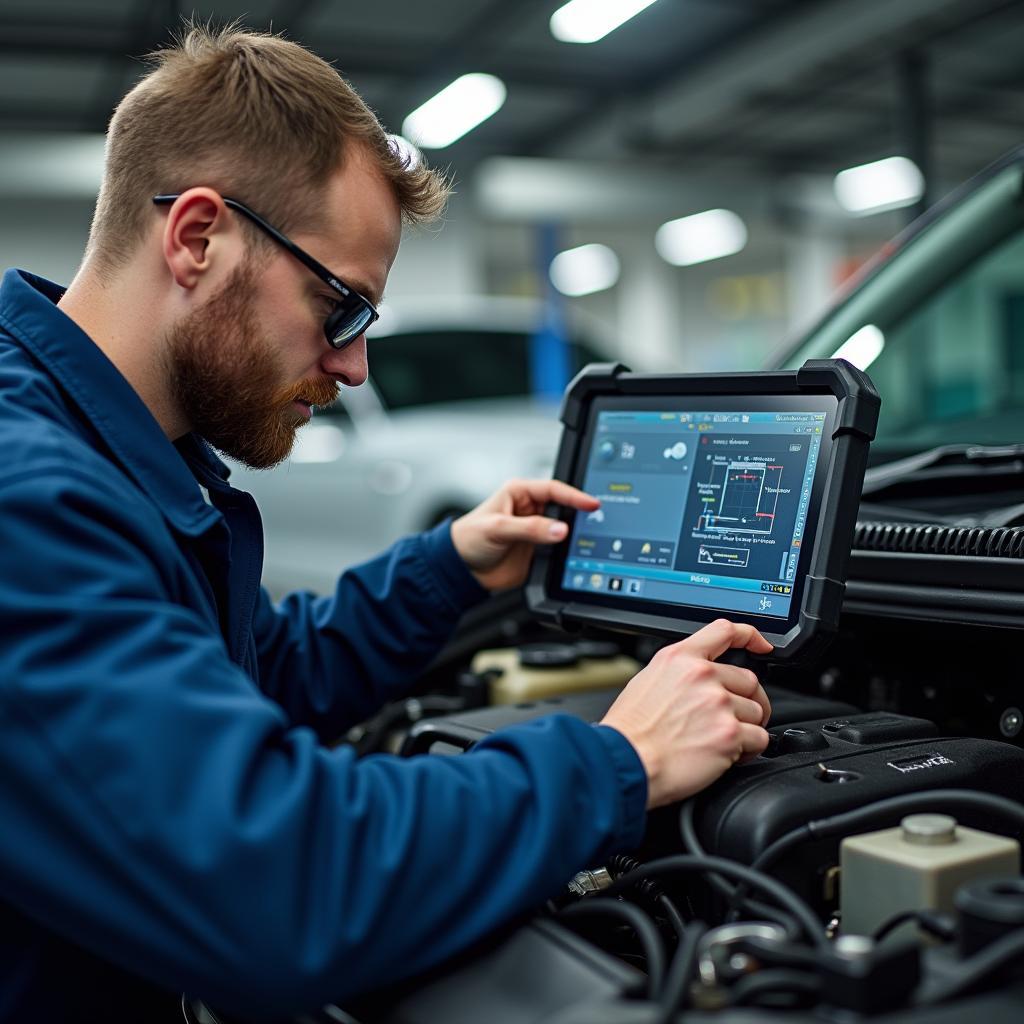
(729, 314)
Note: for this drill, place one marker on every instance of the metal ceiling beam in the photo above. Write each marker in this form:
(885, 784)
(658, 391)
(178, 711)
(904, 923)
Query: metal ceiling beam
(351, 57)
(609, 100)
(786, 49)
(44, 117)
(597, 99)
(969, 102)
(290, 14)
(145, 32)
(35, 40)
(685, 98)
(464, 49)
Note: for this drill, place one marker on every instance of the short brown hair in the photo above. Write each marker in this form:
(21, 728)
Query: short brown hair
(253, 115)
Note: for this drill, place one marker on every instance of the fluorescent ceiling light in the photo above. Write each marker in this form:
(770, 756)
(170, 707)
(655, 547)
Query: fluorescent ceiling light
(862, 348)
(882, 185)
(701, 237)
(584, 270)
(458, 108)
(586, 21)
(51, 164)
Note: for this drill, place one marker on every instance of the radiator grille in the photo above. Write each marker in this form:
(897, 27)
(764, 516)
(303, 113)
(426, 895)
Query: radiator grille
(935, 539)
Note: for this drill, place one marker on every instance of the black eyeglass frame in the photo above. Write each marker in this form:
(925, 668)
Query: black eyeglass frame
(352, 306)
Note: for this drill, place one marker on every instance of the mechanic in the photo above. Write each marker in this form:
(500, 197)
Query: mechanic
(175, 817)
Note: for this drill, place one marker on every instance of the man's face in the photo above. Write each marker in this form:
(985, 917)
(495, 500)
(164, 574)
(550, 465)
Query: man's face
(228, 377)
(247, 365)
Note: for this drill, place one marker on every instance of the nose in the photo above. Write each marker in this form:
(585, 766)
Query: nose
(349, 365)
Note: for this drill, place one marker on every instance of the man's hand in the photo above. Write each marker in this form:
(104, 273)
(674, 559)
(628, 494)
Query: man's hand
(690, 718)
(496, 540)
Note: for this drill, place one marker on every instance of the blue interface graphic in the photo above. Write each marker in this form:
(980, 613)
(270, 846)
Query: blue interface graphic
(707, 509)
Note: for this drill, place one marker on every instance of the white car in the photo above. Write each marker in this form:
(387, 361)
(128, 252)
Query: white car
(446, 417)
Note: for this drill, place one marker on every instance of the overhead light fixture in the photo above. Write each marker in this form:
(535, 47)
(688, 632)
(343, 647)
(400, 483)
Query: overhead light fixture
(701, 237)
(883, 185)
(51, 164)
(584, 270)
(586, 21)
(458, 108)
(862, 348)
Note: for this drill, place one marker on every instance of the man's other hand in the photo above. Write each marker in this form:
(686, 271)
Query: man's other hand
(690, 718)
(496, 540)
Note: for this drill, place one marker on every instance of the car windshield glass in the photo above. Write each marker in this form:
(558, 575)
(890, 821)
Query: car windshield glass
(426, 367)
(952, 370)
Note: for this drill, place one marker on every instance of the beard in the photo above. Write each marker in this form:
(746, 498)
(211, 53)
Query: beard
(225, 375)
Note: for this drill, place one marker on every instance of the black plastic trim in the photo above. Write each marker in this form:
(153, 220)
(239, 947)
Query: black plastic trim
(1002, 542)
(822, 599)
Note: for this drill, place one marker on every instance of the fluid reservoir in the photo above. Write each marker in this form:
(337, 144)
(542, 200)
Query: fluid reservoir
(536, 671)
(917, 866)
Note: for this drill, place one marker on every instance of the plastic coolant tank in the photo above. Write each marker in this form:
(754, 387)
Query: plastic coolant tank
(536, 671)
(917, 866)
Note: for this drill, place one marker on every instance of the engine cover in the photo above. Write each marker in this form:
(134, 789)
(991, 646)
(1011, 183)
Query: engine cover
(451, 734)
(827, 766)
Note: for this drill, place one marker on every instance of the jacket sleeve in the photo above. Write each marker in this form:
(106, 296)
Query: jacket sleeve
(159, 811)
(331, 662)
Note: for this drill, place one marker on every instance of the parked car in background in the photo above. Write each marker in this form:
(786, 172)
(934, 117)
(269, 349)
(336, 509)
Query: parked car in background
(449, 413)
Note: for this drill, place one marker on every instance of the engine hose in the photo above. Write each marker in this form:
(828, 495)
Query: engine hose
(882, 813)
(780, 893)
(735, 895)
(637, 921)
(622, 864)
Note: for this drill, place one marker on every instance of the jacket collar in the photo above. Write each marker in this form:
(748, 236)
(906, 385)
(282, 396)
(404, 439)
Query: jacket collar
(28, 310)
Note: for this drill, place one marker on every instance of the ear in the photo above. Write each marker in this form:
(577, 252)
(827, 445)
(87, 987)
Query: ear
(199, 233)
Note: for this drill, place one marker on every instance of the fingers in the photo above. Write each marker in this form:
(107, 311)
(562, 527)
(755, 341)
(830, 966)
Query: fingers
(712, 641)
(753, 740)
(722, 635)
(746, 710)
(544, 491)
(534, 529)
(743, 682)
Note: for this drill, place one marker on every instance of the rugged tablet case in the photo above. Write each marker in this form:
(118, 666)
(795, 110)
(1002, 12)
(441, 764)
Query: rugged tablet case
(855, 423)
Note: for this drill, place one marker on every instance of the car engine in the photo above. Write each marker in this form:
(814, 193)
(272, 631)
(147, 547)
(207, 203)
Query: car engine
(867, 865)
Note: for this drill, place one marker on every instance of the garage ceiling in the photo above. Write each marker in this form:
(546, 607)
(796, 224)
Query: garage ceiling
(771, 86)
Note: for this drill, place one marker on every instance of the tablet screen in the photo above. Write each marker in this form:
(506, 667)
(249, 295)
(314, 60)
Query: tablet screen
(707, 503)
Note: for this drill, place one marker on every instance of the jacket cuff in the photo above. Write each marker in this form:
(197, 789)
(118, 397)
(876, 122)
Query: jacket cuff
(456, 582)
(632, 779)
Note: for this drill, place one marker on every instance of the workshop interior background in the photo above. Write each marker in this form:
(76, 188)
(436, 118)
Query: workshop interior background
(751, 107)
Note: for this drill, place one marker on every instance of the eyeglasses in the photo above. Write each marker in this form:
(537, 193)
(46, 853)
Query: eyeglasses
(354, 313)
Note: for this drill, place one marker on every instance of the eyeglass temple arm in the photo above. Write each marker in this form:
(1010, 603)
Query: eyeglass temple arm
(303, 257)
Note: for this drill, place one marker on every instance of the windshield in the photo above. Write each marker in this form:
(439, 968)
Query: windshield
(939, 325)
(953, 370)
(450, 365)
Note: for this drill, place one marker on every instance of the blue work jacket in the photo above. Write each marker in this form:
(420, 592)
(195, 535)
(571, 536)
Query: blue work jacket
(170, 816)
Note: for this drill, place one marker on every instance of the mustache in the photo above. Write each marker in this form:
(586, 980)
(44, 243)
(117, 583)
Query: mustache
(318, 391)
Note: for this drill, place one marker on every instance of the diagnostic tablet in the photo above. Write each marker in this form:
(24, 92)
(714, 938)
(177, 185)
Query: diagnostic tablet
(722, 496)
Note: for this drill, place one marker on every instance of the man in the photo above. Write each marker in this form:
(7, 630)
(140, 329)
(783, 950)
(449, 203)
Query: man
(173, 819)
